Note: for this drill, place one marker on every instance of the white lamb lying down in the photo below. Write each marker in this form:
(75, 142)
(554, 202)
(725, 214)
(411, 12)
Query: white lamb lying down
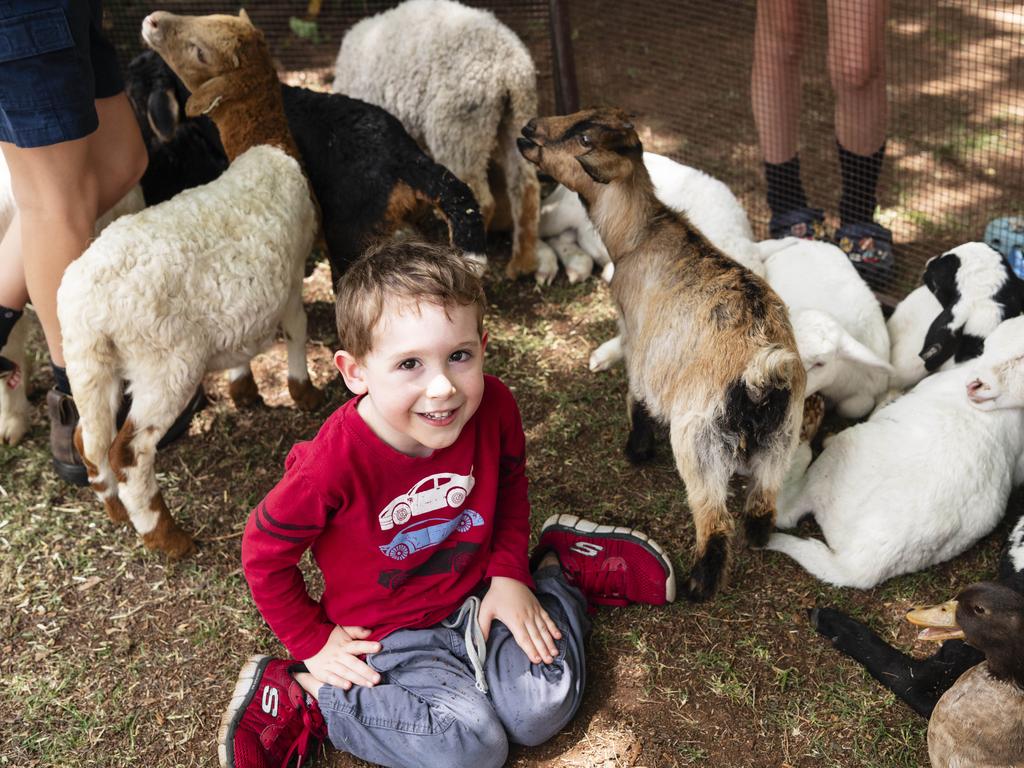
(837, 321)
(919, 482)
(707, 202)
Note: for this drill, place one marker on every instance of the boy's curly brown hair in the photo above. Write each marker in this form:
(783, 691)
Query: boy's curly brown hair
(402, 271)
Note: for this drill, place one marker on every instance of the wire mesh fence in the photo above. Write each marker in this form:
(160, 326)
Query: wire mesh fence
(954, 132)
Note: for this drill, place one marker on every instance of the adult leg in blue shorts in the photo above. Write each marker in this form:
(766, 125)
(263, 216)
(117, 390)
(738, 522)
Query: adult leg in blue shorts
(73, 147)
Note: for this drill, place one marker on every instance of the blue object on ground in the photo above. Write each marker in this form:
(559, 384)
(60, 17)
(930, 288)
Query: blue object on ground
(1006, 235)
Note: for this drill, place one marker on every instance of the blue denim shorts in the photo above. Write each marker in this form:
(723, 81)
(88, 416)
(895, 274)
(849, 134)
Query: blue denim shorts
(54, 63)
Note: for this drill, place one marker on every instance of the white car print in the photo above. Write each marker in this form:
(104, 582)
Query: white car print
(434, 492)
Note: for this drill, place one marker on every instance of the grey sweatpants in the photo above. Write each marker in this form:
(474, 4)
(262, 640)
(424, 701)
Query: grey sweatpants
(427, 710)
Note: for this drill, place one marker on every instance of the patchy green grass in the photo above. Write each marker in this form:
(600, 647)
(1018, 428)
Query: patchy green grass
(113, 657)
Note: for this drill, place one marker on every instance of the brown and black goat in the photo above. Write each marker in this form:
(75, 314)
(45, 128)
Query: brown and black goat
(708, 345)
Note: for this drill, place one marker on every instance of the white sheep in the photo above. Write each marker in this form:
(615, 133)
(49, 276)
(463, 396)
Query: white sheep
(463, 84)
(201, 281)
(837, 321)
(919, 482)
(709, 205)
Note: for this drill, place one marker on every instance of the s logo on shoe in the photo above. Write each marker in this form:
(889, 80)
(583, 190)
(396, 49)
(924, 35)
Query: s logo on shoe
(586, 548)
(270, 697)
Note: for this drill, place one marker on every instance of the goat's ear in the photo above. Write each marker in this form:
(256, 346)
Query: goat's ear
(852, 350)
(163, 112)
(604, 167)
(245, 17)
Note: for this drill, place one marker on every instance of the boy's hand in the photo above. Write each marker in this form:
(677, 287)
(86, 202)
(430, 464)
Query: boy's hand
(338, 664)
(512, 603)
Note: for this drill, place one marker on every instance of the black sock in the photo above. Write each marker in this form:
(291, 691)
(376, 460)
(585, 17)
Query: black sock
(785, 190)
(8, 317)
(860, 178)
(60, 379)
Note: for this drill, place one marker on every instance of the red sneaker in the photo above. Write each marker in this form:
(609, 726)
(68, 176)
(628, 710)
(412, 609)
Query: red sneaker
(270, 718)
(611, 565)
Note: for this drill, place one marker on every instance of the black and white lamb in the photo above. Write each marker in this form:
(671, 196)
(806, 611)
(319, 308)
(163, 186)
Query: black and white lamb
(367, 173)
(463, 84)
(967, 293)
(919, 482)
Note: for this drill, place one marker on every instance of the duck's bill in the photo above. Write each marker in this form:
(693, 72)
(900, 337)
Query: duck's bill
(938, 622)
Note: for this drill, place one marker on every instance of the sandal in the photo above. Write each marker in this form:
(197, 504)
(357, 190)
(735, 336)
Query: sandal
(805, 223)
(869, 247)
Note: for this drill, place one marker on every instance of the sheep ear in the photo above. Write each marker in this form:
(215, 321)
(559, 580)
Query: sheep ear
(941, 342)
(162, 112)
(853, 350)
(206, 97)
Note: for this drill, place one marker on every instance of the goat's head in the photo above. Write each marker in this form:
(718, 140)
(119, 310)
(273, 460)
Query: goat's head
(215, 56)
(998, 376)
(157, 96)
(595, 146)
(825, 346)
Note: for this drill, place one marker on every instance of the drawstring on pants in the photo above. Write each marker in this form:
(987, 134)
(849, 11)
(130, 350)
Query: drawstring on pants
(476, 646)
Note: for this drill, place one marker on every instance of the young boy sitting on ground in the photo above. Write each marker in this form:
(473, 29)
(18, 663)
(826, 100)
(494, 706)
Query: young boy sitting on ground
(433, 644)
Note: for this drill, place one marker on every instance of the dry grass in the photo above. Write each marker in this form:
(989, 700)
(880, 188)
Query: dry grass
(113, 657)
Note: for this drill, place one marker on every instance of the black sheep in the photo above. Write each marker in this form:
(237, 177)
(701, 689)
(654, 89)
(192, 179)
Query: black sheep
(918, 682)
(368, 174)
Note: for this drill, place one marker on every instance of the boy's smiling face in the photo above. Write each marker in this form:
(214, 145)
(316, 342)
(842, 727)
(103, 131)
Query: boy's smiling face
(423, 377)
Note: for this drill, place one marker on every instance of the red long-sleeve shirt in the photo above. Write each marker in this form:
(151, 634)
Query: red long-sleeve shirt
(401, 540)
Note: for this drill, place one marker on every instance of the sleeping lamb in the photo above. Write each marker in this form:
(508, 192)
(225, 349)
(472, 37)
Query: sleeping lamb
(919, 482)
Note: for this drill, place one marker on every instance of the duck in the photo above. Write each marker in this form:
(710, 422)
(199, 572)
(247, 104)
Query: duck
(979, 721)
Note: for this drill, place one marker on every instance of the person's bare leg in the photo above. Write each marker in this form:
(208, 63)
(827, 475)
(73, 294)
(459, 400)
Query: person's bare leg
(856, 62)
(60, 190)
(775, 78)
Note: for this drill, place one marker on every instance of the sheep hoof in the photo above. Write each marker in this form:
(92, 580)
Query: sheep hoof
(12, 428)
(709, 571)
(758, 530)
(244, 393)
(169, 538)
(305, 395)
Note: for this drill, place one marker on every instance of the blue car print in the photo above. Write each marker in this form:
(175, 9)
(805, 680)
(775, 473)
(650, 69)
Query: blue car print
(429, 533)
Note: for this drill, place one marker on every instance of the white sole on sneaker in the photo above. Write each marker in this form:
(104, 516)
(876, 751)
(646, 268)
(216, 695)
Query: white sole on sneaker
(619, 531)
(245, 687)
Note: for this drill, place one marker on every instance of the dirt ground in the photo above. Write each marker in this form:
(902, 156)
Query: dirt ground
(110, 656)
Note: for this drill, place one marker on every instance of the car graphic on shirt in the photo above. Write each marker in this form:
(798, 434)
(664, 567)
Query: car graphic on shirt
(429, 533)
(447, 560)
(439, 491)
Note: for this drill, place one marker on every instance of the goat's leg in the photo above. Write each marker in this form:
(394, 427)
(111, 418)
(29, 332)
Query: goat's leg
(639, 446)
(919, 683)
(577, 262)
(242, 387)
(133, 457)
(705, 467)
(306, 396)
(768, 470)
(15, 410)
(607, 355)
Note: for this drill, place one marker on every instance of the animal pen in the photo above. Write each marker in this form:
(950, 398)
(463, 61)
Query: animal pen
(955, 130)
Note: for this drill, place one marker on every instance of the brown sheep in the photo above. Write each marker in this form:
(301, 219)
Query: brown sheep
(708, 345)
